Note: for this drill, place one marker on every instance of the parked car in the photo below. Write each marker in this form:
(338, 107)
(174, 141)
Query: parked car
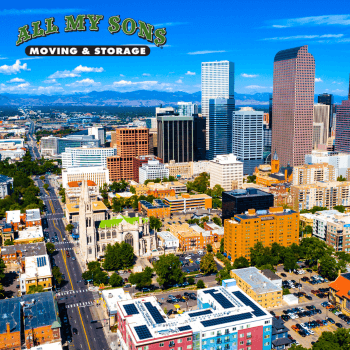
(339, 325)
(330, 320)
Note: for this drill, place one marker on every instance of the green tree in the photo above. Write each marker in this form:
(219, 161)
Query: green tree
(8, 242)
(217, 191)
(35, 289)
(50, 247)
(69, 228)
(329, 267)
(155, 223)
(209, 248)
(118, 256)
(141, 279)
(57, 275)
(340, 208)
(116, 280)
(2, 269)
(132, 189)
(190, 280)
(168, 270)
(100, 276)
(42, 178)
(286, 291)
(222, 275)
(338, 340)
(222, 245)
(251, 179)
(312, 248)
(46, 187)
(290, 261)
(341, 178)
(217, 221)
(241, 263)
(208, 264)
(200, 284)
(297, 347)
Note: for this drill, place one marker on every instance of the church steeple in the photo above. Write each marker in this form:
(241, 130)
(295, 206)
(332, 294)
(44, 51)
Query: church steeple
(275, 164)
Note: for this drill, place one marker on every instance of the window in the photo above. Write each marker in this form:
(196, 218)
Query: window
(189, 339)
(189, 346)
(161, 344)
(204, 342)
(249, 335)
(212, 340)
(241, 335)
(179, 340)
(145, 347)
(267, 322)
(171, 343)
(267, 343)
(179, 348)
(241, 342)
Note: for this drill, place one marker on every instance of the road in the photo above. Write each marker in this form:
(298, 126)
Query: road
(74, 299)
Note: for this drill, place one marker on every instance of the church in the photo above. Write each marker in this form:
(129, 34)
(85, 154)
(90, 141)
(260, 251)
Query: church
(95, 233)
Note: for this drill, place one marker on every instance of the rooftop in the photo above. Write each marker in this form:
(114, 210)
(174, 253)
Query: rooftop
(248, 192)
(78, 183)
(10, 313)
(31, 249)
(271, 275)
(259, 283)
(4, 178)
(36, 267)
(96, 206)
(33, 215)
(13, 216)
(342, 286)
(120, 219)
(112, 296)
(33, 232)
(187, 196)
(166, 236)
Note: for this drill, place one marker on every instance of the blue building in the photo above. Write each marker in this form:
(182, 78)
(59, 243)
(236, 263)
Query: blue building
(279, 334)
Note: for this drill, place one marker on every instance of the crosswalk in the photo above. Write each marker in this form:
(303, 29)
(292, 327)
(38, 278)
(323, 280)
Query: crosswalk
(69, 248)
(64, 243)
(72, 292)
(82, 304)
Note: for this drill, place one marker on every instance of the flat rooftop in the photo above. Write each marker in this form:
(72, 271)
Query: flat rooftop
(33, 215)
(96, 206)
(120, 219)
(10, 313)
(33, 232)
(36, 267)
(30, 249)
(13, 216)
(248, 192)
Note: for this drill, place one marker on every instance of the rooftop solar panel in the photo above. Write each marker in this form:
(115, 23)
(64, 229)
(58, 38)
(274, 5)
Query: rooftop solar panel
(130, 309)
(222, 300)
(226, 319)
(200, 313)
(257, 310)
(185, 328)
(143, 332)
(158, 318)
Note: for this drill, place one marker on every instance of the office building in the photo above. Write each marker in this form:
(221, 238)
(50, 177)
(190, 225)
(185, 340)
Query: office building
(339, 293)
(293, 100)
(270, 110)
(11, 143)
(185, 202)
(130, 143)
(86, 157)
(14, 256)
(243, 231)
(187, 109)
(328, 99)
(267, 138)
(157, 209)
(239, 201)
(220, 127)
(321, 194)
(151, 123)
(199, 138)
(340, 161)
(226, 171)
(153, 142)
(165, 110)
(6, 186)
(342, 129)
(247, 138)
(309, 174)
(255, 284)
(175, 138)
(152, 170)
(320, 125)
(217, 79)
(138, 161)
(99, 133)
(98, 174)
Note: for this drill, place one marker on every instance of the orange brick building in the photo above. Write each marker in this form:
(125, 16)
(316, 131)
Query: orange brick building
(157, 209)
(186, 201)
(266, 226)
(130, 143)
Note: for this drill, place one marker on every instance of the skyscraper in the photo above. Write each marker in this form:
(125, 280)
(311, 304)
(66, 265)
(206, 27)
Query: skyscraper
(327, 99)
(342, 131)
(220, 127)
(320, 125)
(270, 110)
(293, 100)
(217, 82)
(199, 125)
(187, 109)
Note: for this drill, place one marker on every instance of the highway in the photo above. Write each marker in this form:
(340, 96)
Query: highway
(75, 301)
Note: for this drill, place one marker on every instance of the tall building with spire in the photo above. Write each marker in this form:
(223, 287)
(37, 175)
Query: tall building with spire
(293, 100)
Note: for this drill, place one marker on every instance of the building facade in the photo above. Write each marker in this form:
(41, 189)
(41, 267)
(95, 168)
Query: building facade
(328, 99)
(248, 138)
(138, 161)
(99, 175)
(199, 138)
(342, 129)
(320, 125)
(310, 174)
(187, 109)
(152, 170)
(293, 100)
(6, 186)
(339, 293)
(226, 171)
(186, 202)
(99, 132)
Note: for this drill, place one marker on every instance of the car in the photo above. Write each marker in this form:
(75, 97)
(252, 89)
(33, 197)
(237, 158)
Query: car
(272, 313)
(188, 257)
(330, 320)
(75, 331)
(145, 290)
(339, 325)
(318, 311)
(308, 297)
(73, 258)
(63, 277)
(185, 283)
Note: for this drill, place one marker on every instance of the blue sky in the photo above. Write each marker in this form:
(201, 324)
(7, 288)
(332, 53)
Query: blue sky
(248, 33)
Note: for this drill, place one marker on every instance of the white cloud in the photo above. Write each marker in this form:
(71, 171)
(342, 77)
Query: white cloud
(205, 52)
(128, 85)
(336, 82)
(14, 69)
(3, 58)
(31, 58)
(306, 37)
(64, 74)
(318, 80)
(14, 88)
(146, 74)
(49, 89)
(178, 81)
(50, 81)
(85, 69)
(244, 75)
(84, 82)
(16, 80)
(122, 75)
(338, 91)
(190, 73)
(256, 87)
(341, 20)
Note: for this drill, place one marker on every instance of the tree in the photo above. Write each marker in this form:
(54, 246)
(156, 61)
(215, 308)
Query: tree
(42, 178)
(340, 208)
(209, 248)
(69, 228)
(190, 280)
(100, 277)
(116, 280)
(200, 284)
(290, 261)
(222, 275)
(46, 187)
(286, 291)
(312, 248)
(222, 245)
(132, 189)
(251, 178)
(2, 269)
(217, 191)
(141, 279)
(57, 275)
(50, 247)
(8, 242)
(297, 347)
(155, 223)
(217, 221)
(118, 256)
(241, 263)
(338, 340)
(35, 289)
(168, 269)
(329, 267)
(208, 264)
(341, 178)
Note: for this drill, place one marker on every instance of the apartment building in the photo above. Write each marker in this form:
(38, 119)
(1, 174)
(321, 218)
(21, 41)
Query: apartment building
(157, 209)
(310, 173)
(97, 174)
(266, 226)
(226, 171)
(255, 284)
(152, 170)
(322, 194)
(138, 161)
(186, 202)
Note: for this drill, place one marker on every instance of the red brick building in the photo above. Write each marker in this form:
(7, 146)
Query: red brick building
(138, 161)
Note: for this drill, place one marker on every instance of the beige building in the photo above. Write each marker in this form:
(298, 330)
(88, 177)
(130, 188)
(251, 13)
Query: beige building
(322, 194)
(320, 125)
(73, 191)
(188, 169)
(311, 173)
(226, 171)
(97, 174)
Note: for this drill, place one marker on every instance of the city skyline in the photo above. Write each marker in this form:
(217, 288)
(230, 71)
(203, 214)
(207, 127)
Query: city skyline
(251, 42)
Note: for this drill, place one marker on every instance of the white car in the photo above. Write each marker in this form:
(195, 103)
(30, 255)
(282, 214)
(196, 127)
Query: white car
(293, 316)
(188, 257)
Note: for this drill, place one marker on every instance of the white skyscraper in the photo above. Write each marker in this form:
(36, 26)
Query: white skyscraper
(99, 132)
(217, 82)
(248, 138)
(187, 109)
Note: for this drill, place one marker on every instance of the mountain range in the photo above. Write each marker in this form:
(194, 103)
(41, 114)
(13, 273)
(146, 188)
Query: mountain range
(139, 98)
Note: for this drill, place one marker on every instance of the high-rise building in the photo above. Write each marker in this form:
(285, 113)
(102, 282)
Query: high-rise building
(220, 127)
(320, 125)
(175, 138)
(247, 138)
(311, 173)
(293, 100)
(130, 142)
(97, 174)
(165, 110)
(199, 138)
(187, 109)
(217, 82)
(99, 132)
(342, 131)
(328, 99)
(152, 170)
(270, 111)
(138, 161)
